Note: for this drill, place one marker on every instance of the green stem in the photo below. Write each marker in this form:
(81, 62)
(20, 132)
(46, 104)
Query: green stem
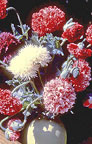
(5, 65)
(27, 108)
(62, 43)
(13, 29)
(69, 61)
(2, 121)
(66, 70)
(21, 25)
(33, 85)
(6, 118)
(64, 40)
(53, 58)
(88, 45)
(40, 78)
(38, 98)
(17, 87)
(20, 22)
(25, 83)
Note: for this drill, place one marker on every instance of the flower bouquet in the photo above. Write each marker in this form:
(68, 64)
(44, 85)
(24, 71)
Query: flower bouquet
(46, 64)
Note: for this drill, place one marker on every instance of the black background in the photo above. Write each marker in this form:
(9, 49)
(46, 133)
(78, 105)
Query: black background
(79, 124)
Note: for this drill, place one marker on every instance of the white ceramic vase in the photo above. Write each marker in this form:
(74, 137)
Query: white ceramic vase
(44, 132)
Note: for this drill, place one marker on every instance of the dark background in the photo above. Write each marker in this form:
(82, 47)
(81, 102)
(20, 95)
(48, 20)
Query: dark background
(79, 124)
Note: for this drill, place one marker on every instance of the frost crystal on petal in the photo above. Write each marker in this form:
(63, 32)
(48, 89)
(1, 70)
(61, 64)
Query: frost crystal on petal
(58, 96)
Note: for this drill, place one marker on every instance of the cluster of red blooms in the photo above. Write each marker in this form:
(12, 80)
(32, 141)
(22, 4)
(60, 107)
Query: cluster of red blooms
(41, 23)
(59, 94)
(56, 95)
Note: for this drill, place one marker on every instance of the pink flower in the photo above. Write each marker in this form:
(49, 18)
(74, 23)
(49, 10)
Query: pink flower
(6, 39)
(8, 104)
(7, 58)
(3, 9)
(13, 124)
(73, 32)
(89, 34)
(88, 103)
(79, 52)
(48, 20)
(11, 135)
(58, 96)
(82, 81)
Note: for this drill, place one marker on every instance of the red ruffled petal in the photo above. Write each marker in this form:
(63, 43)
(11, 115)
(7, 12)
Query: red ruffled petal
(73, 33)
(48, 20)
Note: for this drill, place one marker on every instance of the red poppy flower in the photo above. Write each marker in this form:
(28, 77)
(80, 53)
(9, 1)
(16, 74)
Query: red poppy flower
(48, 20)
(3, 8)
(58, 96)
(73, 32)
(6, 39)
(79, 52)
(8, 104)
(11, 135)
(89, 34)
(81, 82)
